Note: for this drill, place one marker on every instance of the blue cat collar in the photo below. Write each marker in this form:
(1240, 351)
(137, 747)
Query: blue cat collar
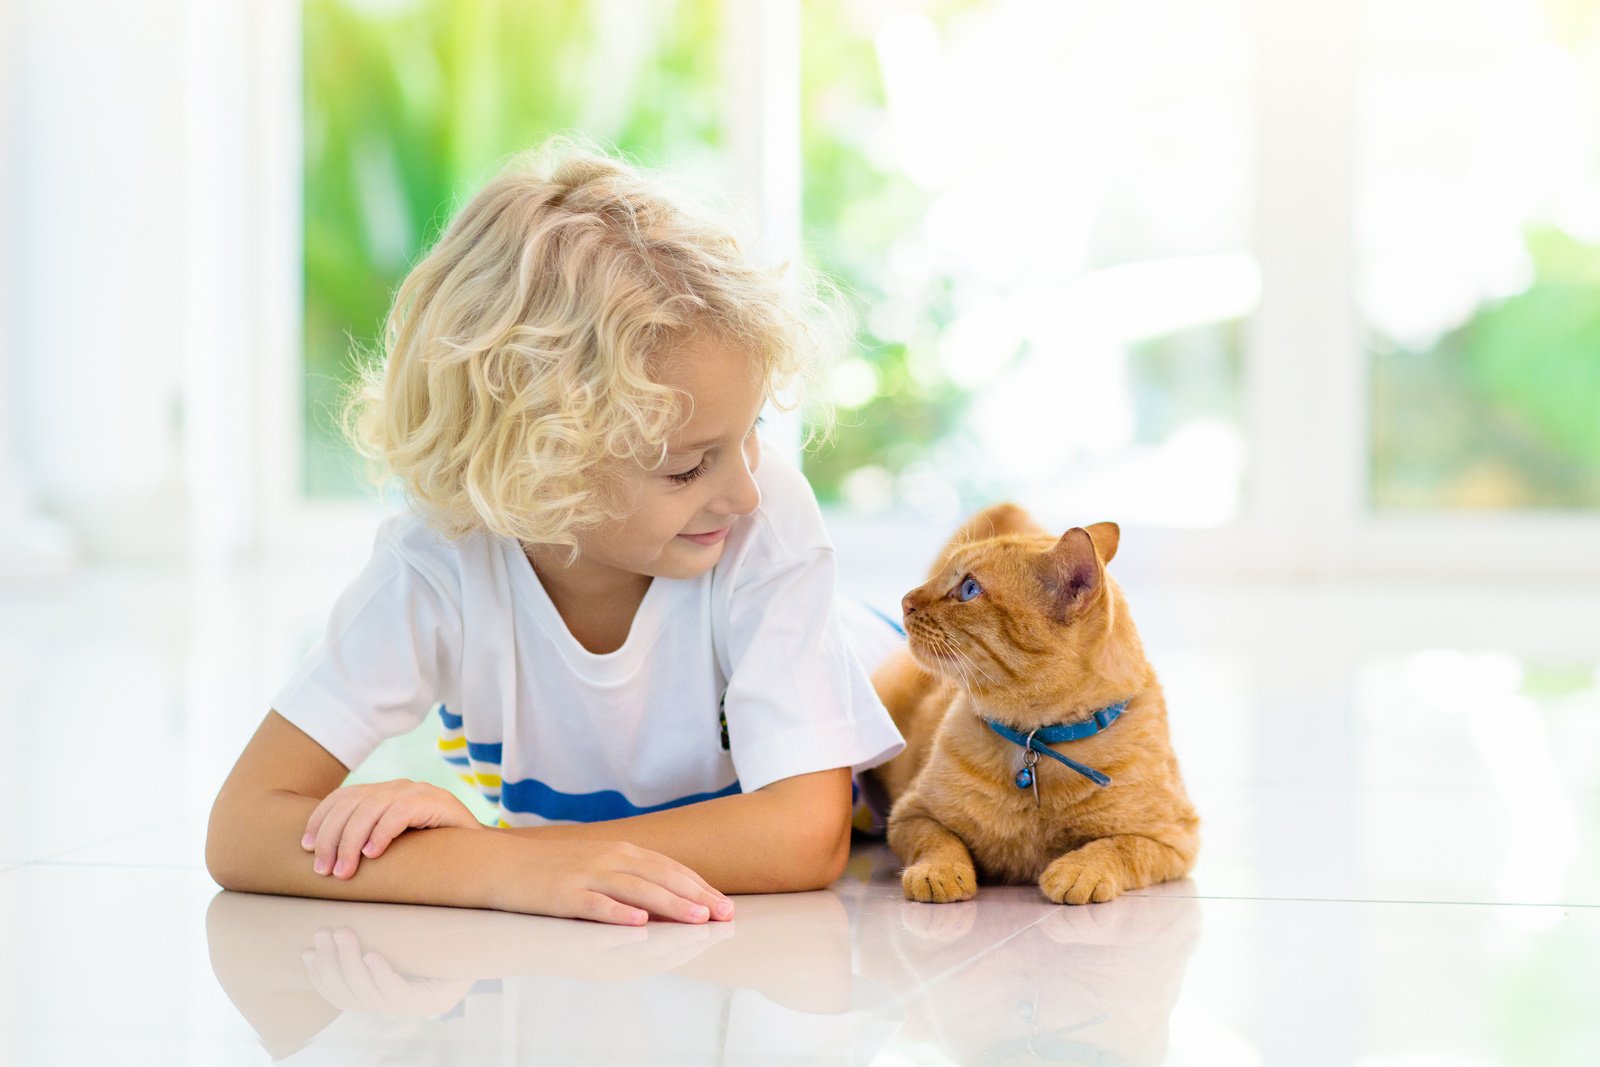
(1040, 740)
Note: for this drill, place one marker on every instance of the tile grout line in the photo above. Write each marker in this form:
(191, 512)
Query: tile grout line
(948, 972)
(1369, 900)
(92, 865)
(102, 842)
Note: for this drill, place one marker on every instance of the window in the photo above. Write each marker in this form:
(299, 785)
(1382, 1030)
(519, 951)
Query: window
(1294, 287)
(1042, 211)
(1479, 259)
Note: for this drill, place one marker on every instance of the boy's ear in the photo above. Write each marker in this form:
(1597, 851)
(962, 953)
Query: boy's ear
(1072, 570)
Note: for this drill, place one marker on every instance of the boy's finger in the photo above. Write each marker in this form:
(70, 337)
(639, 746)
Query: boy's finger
(693, 889)
(308, 840)
(598, 907)
(330, 833)
(694, 876)
(357, 831)
(391, 825)
(655, 898)
(682, 880)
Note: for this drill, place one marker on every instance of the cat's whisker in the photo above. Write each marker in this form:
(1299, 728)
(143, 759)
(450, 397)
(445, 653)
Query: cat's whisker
(937, 647)
(961, 669)
(976, 666)
(963, 665)
(962, 676)
(967, 670)
(970, 663)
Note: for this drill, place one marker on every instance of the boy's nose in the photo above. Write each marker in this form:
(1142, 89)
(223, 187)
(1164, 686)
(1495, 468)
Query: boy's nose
(744, 495)
(749, 496)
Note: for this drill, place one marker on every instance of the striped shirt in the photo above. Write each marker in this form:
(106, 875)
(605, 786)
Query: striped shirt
(726, 682)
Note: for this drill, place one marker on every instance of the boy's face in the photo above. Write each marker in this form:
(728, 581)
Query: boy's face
(682, 511)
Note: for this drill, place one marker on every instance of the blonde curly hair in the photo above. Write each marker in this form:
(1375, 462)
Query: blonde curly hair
(516, 362)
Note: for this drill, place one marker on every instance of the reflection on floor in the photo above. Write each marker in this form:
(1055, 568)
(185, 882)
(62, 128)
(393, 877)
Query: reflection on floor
(1400, 788)
(842, 977)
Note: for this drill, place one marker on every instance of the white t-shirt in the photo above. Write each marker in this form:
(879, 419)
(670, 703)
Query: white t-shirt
(554, 733)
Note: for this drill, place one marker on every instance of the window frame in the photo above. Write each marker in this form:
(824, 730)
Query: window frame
(1304, 510)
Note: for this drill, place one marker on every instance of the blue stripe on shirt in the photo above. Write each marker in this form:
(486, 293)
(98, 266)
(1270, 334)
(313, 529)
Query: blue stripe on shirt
(485, 753)
(530, 797)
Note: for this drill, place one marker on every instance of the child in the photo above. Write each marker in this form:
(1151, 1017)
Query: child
(622, 615)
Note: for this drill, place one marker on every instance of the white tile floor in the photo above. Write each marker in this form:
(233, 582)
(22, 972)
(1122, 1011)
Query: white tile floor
(1401, 794)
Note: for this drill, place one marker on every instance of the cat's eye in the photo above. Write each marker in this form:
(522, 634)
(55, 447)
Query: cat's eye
(968, 589)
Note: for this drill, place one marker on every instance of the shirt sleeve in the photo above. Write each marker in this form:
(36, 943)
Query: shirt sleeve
(382, 662)
(798, 699)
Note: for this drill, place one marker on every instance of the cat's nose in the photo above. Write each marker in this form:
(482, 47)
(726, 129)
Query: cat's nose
(907, 605)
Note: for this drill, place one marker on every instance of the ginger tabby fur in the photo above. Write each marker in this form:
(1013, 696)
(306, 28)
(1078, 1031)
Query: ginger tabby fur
(1048, 639)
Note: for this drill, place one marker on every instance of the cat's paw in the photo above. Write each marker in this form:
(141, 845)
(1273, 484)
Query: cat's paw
(939, 883)
(1079, 879)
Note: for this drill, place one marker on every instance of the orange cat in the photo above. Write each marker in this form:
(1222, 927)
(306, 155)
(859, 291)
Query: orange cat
(1015, 634)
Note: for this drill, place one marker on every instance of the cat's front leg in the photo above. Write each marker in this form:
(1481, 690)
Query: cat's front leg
(939, 868)
(1109, 866)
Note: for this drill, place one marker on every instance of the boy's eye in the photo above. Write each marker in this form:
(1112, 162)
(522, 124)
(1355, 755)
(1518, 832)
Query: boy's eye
(688, 476)
(968, 589)
(685, 477)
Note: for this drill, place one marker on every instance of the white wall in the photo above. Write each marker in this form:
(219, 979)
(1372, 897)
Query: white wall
(92, 221)
(30, 545)
(131, 320)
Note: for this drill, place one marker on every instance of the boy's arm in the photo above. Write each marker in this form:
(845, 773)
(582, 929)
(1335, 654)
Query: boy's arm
(253, 845)
(253, 840)
(789, 836)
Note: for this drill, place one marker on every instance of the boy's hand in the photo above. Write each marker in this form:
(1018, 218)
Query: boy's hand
(607, 881)
(611, 882)
(361, 820)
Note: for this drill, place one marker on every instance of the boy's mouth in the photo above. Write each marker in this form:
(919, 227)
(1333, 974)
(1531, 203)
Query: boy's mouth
(707, 538)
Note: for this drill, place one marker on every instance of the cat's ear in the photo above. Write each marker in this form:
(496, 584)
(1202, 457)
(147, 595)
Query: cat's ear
(1106, 536)
(1072, 569)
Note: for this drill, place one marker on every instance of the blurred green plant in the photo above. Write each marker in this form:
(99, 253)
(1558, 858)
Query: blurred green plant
(855, 206)
(1189, 374)
(1504, 411)
(410, 105)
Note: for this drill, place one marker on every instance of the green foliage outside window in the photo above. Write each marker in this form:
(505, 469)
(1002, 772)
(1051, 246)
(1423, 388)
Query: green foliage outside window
(855, 205)
(1504, 412)
(408, 107)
